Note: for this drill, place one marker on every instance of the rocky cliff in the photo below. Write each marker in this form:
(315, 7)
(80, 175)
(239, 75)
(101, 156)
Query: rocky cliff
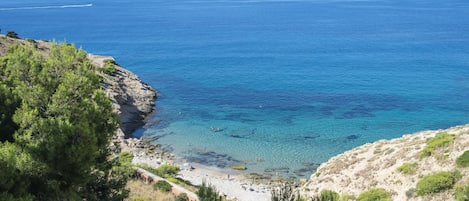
(132, 98)
(376, 165)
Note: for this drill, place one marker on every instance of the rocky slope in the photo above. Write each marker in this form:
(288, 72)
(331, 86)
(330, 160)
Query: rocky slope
(375, 165)
(132, 98)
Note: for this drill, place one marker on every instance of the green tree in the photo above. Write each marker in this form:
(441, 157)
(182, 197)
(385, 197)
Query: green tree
(208, 192)
(12, 34)
(56, 117)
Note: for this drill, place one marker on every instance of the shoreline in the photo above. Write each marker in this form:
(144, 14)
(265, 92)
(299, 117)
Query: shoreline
(134, 101)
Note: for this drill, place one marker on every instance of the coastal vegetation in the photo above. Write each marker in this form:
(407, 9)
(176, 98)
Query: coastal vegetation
(462, 193)
(208, 192)
(377, 194)
(407, 168)
(437, 182)
(162, 185)
(56, 124)
(463, 160)
(440, 140)
(12, 34)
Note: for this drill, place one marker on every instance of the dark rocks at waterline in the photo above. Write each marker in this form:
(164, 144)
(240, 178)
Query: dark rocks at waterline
(278, 170)
(211, 158)
(304, 171)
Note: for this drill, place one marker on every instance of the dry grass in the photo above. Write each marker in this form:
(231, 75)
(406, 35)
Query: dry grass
(145, 191)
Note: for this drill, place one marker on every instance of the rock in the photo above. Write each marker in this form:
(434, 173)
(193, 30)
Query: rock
(239, 167)
(132, 98)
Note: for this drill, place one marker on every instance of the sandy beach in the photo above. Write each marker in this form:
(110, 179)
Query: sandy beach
(231, 184)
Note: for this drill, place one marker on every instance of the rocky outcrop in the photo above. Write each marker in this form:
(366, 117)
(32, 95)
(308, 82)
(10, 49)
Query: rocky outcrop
(132, 98)
(375, 165)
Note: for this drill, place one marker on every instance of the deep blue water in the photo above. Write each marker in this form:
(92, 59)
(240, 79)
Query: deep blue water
(289, 83)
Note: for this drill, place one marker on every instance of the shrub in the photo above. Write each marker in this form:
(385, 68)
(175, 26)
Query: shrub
(437, 182)
(12, 34)
(162, 186)
(125, 157)
(139, 198)
(463, 160)
(166, 170)
(207, 192)
(109, 67)
(407, 168)
(328, 195)
(440, 140)
(181, 197)
(462, 193)
(377, 194)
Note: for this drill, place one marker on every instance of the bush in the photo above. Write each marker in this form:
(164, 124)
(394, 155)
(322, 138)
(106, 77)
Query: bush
(182, 197)
(178, 180)
(440, 140)
(125, 157)
(207, 192)
(462, 193)
(109, 67)
(139, 199)
(327, 195)
(12, 34)
(463, 160)
(407, 168)
(166, 170)
(162, 186)
(377, 194)
(437, 182)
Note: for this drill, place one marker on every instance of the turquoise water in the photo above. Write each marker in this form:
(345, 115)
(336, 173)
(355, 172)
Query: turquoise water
(286, 83)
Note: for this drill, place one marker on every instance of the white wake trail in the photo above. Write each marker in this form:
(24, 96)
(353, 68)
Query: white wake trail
(48, 7)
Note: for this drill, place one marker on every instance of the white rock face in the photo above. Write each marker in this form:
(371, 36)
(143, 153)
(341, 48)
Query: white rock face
(374, 165)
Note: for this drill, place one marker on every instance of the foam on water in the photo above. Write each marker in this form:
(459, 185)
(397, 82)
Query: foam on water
(47, 7)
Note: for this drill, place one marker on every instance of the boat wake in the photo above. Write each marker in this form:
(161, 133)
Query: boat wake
(48, 7)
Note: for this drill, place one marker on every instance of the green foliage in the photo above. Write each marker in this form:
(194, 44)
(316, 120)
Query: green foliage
(125, 158)
(208, 192)
(407, 168)
(12, 34)
(377, 194)
(162, 186)
(440, 140)
(462, 193)
(56, 123)
(463, 160)
(178, 180)
(166, 170)
(182, 197)
(437, 182)
(139, 199)
(285, 192)
(109, 67)
(327, 195)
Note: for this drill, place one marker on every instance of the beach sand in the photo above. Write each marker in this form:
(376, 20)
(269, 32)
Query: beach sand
(229, 183)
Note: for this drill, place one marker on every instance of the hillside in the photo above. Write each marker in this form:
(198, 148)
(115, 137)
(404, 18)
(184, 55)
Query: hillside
(375, 165)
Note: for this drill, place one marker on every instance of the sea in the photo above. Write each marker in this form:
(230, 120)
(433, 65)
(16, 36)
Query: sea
(279, 86)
